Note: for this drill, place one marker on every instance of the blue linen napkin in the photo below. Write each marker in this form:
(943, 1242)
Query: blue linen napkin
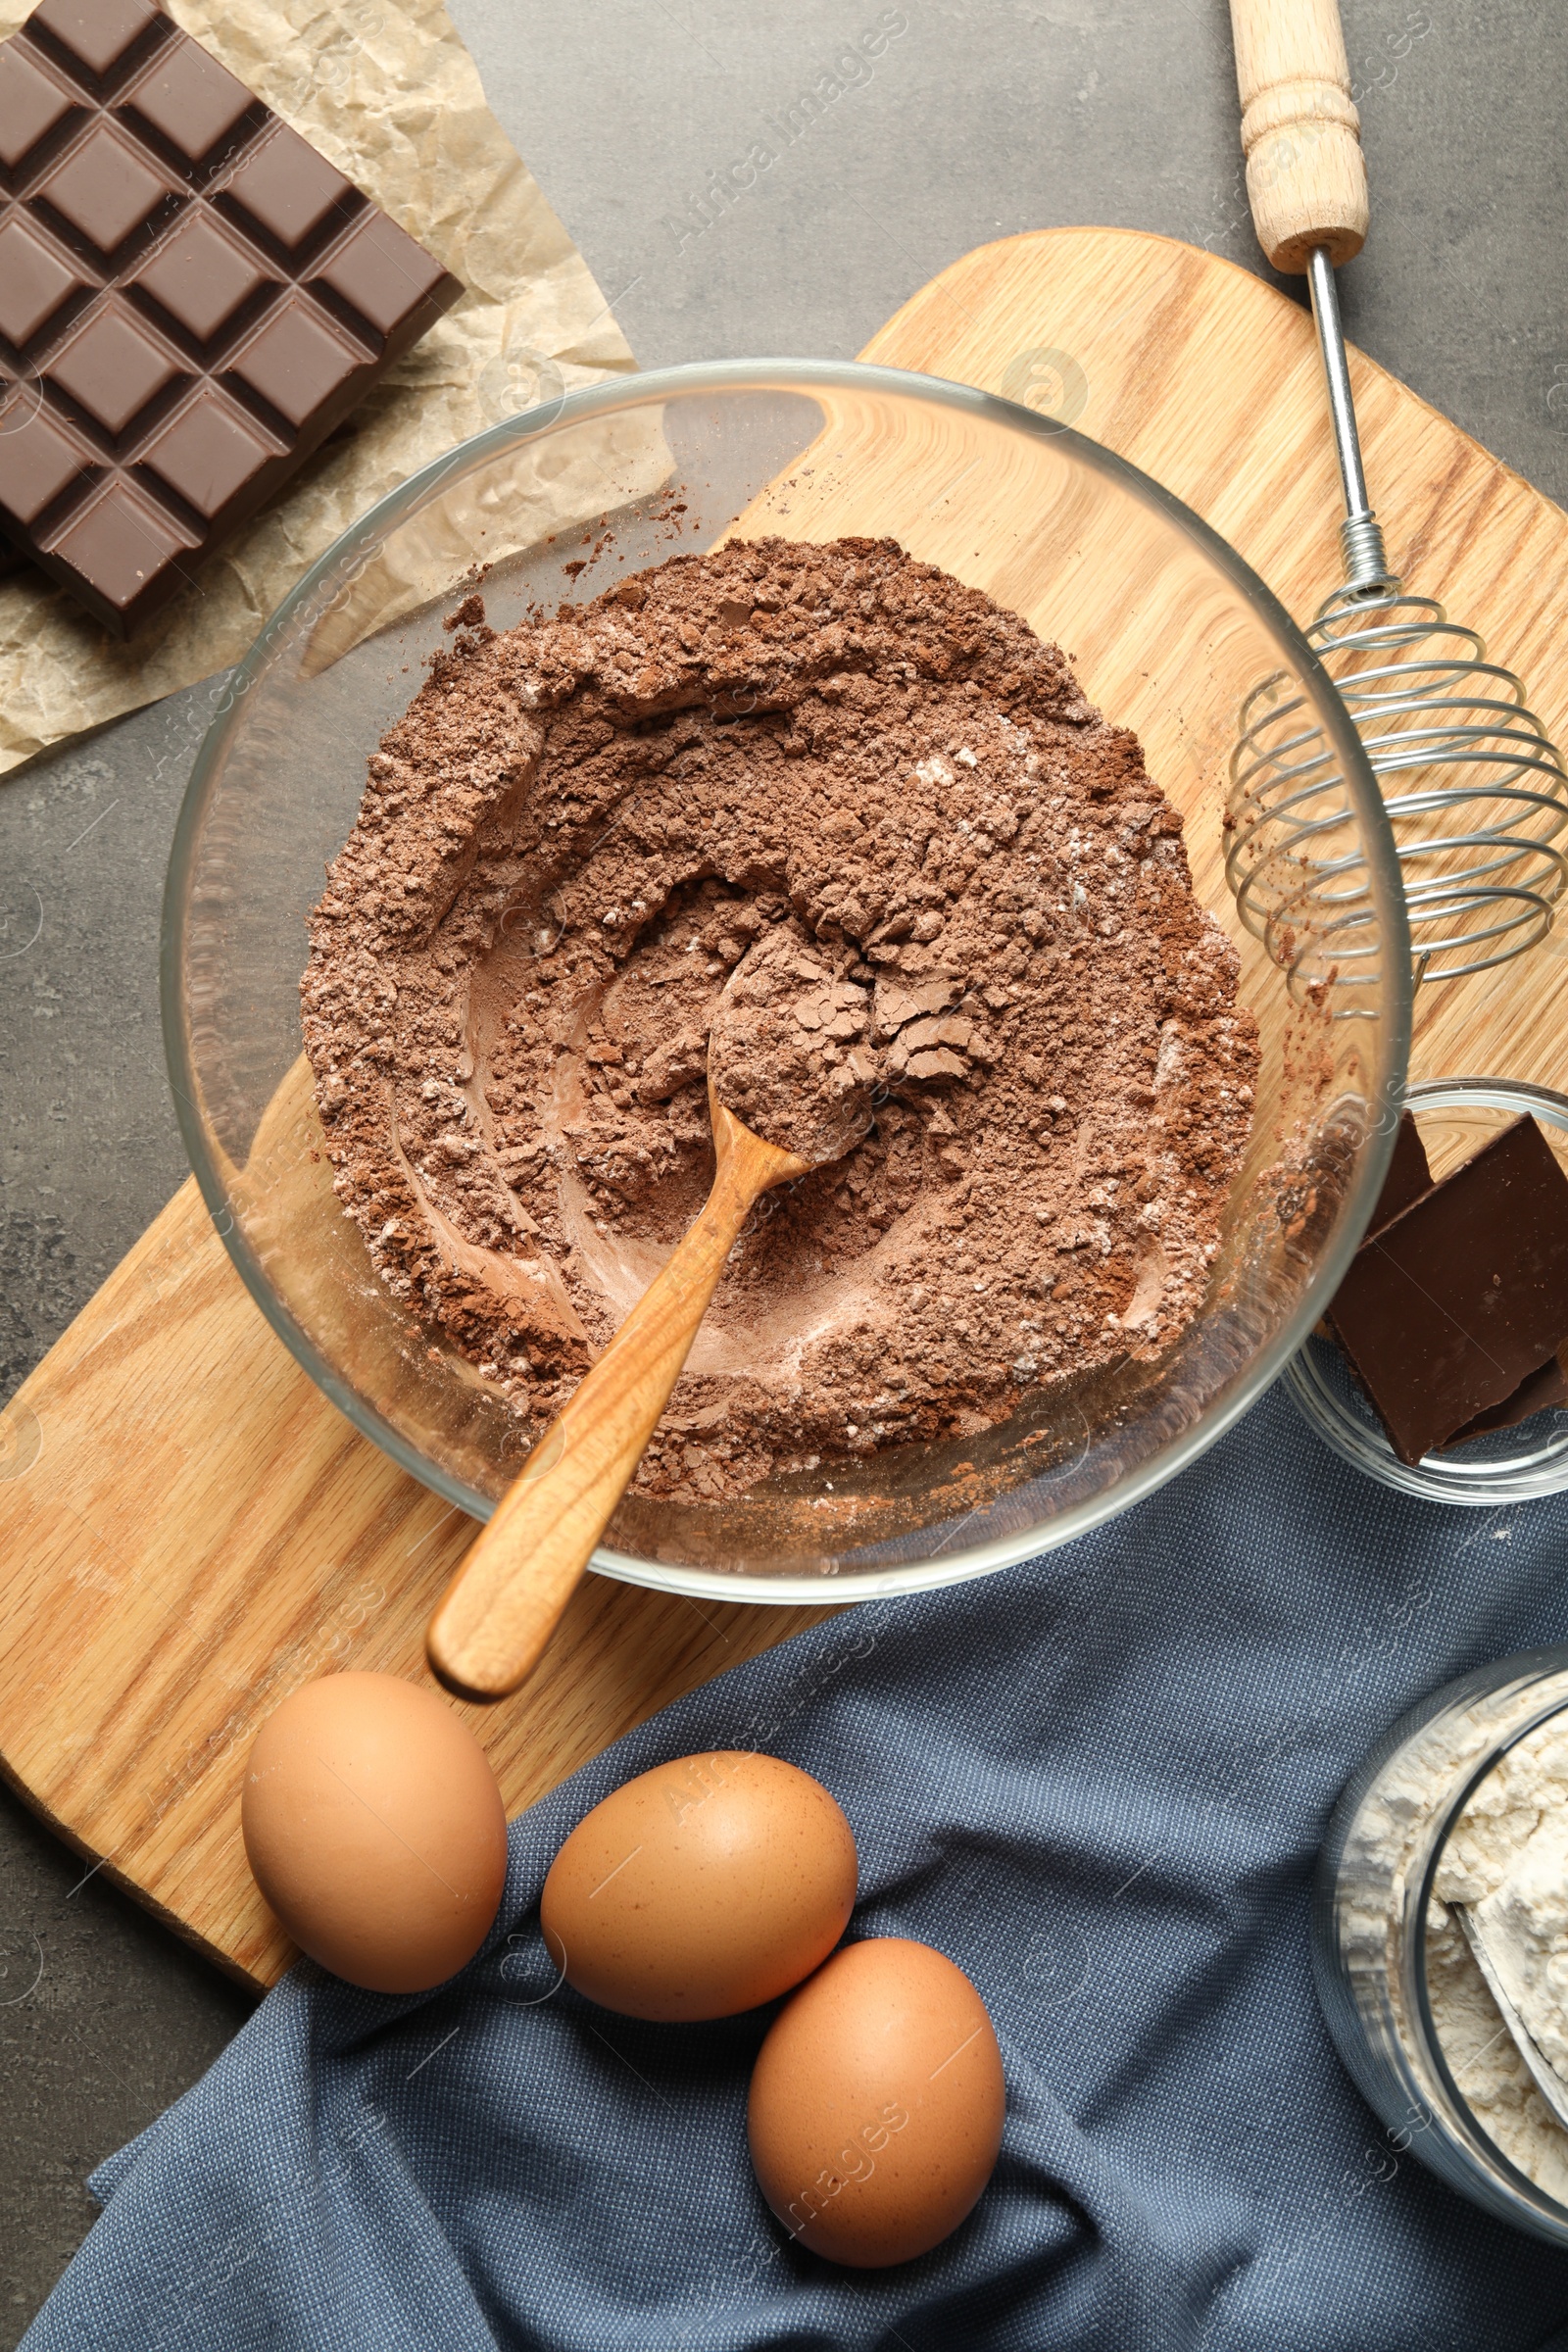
(1099, 1781)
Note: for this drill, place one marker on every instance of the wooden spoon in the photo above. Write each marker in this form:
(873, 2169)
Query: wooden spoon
(501, 1607)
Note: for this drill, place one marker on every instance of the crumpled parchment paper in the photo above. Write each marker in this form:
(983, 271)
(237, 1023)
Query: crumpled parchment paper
(387, 90)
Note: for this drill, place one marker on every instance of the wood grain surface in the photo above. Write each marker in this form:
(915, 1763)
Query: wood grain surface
(187, 1528)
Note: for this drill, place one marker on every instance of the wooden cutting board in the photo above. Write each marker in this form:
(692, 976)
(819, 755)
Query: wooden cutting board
(188, 1529)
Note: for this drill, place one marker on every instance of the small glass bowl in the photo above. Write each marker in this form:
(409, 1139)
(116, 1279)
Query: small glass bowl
(1456, 1116)
(1375, 1880)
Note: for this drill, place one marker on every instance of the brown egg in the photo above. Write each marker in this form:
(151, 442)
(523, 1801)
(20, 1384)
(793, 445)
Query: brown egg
(877, 2104)
(375, 1830)
(701, 1888)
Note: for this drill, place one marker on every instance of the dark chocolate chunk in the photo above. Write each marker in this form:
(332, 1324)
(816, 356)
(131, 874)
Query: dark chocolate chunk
(191, 300)
(1536, 1394)
(1464, 1295)
(1408, 1176)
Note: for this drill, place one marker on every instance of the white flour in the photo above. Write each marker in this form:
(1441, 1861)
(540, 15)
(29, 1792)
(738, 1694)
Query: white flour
(1507, 1857)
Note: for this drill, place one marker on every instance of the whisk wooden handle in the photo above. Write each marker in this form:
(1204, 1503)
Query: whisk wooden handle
(1301, 132)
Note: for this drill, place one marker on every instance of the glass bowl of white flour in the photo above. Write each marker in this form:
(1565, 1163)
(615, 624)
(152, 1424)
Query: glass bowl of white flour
(1453, 1838)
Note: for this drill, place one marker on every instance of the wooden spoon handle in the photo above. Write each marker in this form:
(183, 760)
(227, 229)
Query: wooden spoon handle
(501, 1609)
(1301, 132)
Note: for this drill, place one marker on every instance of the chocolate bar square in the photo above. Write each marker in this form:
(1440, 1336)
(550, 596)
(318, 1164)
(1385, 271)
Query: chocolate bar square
(191, 300)
(112, 369)
(94, 34)
(287, 190)
(104, 189)
(36, 463)
(374, 272)
(35, 280)
(30, 104)
(208, 453)
(122, 542)
(190, 100)
(297, 362)
(200, 276)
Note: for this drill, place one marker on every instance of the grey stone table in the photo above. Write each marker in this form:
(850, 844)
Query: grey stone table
(983, 117)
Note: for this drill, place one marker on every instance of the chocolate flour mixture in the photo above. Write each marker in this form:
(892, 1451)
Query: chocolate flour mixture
(974, 902)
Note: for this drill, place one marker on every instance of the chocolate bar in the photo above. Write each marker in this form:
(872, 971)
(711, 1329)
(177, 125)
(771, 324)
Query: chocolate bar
(1453, 1306)
(191, 299)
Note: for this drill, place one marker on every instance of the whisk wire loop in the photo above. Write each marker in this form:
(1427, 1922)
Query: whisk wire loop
(1475, 789)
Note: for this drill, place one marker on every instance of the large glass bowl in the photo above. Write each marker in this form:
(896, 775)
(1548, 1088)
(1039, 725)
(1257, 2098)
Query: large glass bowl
(1169, 632)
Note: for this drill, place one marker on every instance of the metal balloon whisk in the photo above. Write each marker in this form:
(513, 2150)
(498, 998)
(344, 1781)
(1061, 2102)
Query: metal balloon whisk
(1476, 793)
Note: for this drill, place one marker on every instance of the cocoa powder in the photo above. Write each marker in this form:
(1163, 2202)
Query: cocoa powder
(975, 910)
(788, 1052)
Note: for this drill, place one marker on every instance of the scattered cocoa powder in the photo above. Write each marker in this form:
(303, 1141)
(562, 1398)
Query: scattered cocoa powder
(969, 884)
